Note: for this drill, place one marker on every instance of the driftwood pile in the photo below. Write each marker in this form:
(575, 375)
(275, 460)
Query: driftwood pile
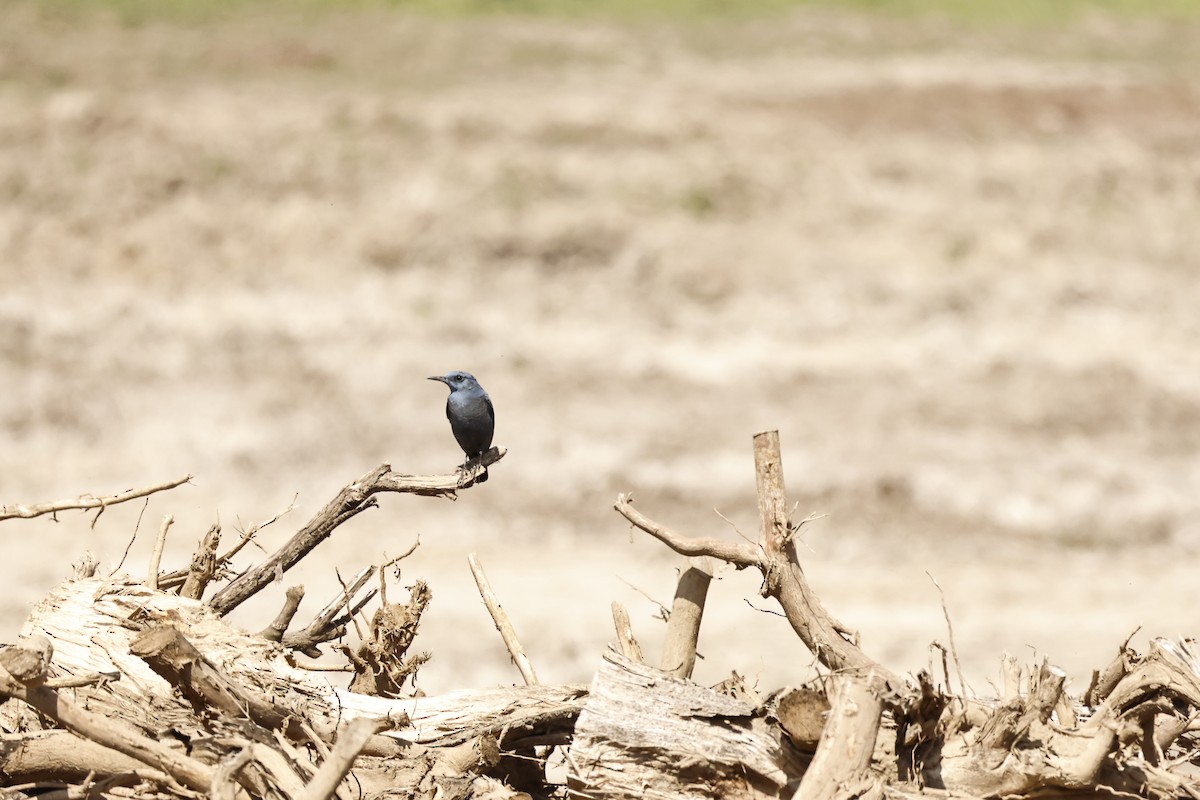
(139, 689)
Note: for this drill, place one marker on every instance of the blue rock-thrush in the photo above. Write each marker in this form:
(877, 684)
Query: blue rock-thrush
(471, 415)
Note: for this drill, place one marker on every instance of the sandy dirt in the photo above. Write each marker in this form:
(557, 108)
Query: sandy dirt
(956, 268)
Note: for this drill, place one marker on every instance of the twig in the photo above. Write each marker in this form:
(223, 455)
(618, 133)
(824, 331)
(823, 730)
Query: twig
(350, 501)
(683, 631)
(740, 555)
(349, 596)
(137, 526)
(962, 683)
(351, 741)
(85, 502)
(733, 525)
(274, 632)
(625, 640)
(664, 613)
(502, 622)
(291, 660)
(76, 681)
(156, 556)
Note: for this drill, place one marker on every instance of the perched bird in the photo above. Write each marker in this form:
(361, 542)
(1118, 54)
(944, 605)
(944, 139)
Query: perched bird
(471, 416)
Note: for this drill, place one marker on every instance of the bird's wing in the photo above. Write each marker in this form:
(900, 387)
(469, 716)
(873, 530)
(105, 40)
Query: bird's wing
(491, 411)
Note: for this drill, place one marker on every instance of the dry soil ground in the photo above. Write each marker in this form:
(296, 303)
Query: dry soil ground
(956, 267)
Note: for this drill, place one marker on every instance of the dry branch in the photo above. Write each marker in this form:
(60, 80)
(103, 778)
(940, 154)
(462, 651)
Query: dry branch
(168, 652)
(278, 627)
(204, 565)
(156, 556)
(61, 755)
(507, 632)
(86, 502)
(350, 501)
(776, 558)
(625, 639)
(351, 741)
(683, 628)
(382, 662)
(841, 766)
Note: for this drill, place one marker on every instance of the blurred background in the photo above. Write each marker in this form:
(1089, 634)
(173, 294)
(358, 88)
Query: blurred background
(949, 249)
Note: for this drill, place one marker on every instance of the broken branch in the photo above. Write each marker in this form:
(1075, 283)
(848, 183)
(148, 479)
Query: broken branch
(85, 502)
(350, 501)
(503, 624)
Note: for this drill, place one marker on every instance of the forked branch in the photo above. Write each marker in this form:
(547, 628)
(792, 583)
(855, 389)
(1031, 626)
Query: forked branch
(775, 556)
(350, 501)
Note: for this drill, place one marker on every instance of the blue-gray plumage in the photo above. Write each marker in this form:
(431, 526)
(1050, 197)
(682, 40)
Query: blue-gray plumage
(471, 415)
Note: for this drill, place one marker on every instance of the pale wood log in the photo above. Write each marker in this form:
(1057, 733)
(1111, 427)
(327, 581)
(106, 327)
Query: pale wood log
(1018, 751)
(91, 623)
(646, 733)
(350, 501)
(61, 755)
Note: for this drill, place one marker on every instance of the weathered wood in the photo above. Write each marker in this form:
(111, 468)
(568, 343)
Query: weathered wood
(683, 628)
(775, 556)
(86, 502)
(646, 733)
(204, 565)
(278, 627)
(350, 501)
(111, 733)
(841, 766)
(504, 625)
(93, 624)
(626, 641)
(61, 755)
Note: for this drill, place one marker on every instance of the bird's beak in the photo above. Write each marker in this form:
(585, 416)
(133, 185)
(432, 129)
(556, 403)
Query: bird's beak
(439, 378)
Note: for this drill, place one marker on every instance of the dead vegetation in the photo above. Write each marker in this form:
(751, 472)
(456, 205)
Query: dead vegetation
(125, 688)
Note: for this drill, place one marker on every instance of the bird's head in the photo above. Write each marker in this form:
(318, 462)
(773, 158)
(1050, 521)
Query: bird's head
(456, 380)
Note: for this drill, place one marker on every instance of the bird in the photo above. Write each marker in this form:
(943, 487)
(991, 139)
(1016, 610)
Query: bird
(472, 418)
